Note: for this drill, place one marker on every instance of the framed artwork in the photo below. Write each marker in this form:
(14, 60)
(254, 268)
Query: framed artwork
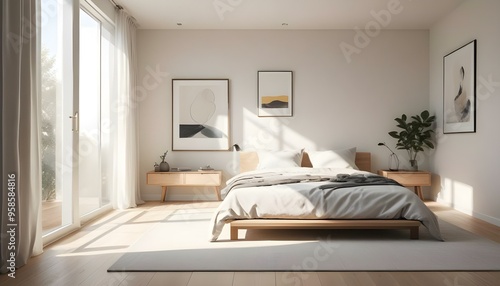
(200, 114)
(275, 93)
(459, 90)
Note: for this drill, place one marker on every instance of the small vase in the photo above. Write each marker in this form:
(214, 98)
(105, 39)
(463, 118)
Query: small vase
(393, 162)
(413, 165)
(164, 167)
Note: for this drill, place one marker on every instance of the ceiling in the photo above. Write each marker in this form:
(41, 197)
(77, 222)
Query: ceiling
(287, 14)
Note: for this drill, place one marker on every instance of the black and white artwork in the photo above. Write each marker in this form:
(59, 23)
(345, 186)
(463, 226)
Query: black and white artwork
(459, 94)
(200, 114)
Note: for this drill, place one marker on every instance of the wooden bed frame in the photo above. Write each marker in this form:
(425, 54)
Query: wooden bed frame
(250, 160)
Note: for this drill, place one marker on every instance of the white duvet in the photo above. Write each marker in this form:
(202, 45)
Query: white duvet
(305, 200)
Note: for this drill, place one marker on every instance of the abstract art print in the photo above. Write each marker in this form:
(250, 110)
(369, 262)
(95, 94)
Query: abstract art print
(459, 90)
(200, 114)
(275, 93)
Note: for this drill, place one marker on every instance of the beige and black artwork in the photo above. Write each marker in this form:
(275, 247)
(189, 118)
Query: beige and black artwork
(274, 93)
(200, 114)
(200, 111)
(459, 90)
(461, 101)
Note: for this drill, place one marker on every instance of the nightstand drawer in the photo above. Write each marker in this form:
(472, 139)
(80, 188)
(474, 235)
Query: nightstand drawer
(411, 179)
(211, 179)
(165, 179)
(416, 179)
(203, 179)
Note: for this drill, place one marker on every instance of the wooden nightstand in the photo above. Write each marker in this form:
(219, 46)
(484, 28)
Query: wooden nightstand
(416, 179)
(185, 179)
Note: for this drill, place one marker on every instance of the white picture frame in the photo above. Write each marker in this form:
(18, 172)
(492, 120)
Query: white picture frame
(275, 93)
(200, 114)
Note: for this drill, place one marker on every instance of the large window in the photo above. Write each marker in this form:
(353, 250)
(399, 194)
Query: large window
(96, 66)
(75, 121)
(57, 115)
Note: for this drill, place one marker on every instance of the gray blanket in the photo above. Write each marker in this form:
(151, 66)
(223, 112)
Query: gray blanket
(335, 181)
(356, 180)
(272, 179)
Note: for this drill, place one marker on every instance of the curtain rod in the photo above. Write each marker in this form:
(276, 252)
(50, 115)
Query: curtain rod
(116, 5)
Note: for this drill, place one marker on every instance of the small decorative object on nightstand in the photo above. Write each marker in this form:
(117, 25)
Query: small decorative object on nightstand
(164, 166)
(393, 158)
(206, 168)
(416, 179)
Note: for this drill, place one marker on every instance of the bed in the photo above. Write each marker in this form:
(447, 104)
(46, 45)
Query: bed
(317, 190)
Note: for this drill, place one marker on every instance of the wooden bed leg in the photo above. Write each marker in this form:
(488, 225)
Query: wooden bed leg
(234, 233)
(414, 232)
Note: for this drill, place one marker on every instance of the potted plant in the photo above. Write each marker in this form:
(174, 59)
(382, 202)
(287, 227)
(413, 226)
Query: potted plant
(415, 135)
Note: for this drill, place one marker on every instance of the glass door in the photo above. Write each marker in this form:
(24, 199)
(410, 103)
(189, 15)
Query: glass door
(96, 65)
(90, 114)
(77, 60)
(59, 119)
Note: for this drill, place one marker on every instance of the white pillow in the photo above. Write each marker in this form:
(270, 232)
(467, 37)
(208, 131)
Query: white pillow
(344, 158)
(279, 159)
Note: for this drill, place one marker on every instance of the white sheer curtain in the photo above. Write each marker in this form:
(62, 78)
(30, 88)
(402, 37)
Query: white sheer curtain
(20, 154)
(125, 157)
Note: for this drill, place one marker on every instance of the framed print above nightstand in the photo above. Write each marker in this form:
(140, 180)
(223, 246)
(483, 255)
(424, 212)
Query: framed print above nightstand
(200, 114)
(459, 90)
(275, 93)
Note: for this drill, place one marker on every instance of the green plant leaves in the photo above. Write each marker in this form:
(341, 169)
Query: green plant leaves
(394, 134)
(425, 114)
(415, 134)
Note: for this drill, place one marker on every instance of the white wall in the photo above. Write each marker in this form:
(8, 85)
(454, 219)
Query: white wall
(337, 104)
(468, 164)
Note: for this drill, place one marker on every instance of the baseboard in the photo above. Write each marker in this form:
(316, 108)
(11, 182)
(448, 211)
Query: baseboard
(486, 218)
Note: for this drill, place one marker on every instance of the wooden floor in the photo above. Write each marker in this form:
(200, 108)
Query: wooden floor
(83, 258)
(51, 215)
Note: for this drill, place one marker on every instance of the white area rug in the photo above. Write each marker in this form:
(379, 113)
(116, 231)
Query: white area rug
(181, 243)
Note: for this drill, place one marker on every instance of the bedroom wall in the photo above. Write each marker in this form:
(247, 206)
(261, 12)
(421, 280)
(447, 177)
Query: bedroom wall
(337, 103)
(467, 164)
